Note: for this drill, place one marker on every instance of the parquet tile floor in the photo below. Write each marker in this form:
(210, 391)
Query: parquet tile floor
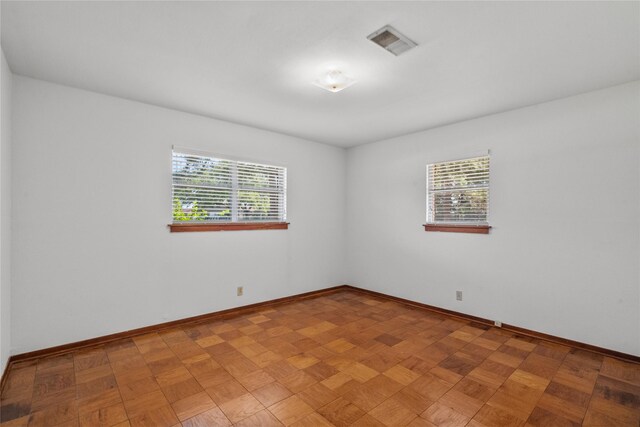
(340, 359)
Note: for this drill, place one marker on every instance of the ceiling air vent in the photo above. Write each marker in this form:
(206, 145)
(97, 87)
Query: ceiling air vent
(392, 40)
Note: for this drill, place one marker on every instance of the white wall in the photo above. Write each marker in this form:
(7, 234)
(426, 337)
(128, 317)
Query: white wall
(563, 255)
(91, 197)
(92, 252)
(5, 213)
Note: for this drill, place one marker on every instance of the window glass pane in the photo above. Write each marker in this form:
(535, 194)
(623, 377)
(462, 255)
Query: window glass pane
(260, 176)
(458, 191)
(197, 170)
(460, 206)
(257, 206)
(217, 190)
(201, 204)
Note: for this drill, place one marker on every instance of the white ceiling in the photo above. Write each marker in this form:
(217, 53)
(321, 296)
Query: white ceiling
(253, 62)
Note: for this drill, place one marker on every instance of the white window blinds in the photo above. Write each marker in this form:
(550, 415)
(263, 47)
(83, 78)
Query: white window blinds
(458, 192)
(209, 189)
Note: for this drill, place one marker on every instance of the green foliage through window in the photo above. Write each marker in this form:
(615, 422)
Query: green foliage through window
(217, 190)
(192, 213)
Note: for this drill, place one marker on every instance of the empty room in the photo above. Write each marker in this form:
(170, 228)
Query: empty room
(320, 213)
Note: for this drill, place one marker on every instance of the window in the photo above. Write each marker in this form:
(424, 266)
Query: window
(458, 196)
(211, 193)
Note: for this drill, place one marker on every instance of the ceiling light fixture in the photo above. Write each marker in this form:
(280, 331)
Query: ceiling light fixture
(334, 81)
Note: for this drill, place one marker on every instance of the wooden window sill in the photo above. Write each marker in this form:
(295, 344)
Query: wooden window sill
(457, 228)
(228, 226)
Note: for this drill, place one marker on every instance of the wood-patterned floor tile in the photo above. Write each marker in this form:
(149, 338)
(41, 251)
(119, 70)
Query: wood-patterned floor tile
(145, 403)
(460, 363)
(541, 366)
(55, 414)
(104, 417)
(417, 365)
(446, 375)
(20, 384)
(93, 373)
(385, 385)
(367, 421)
(442, 415)
(582, 384)
(138, 388)
(516, 398)
(618, 392)
(360, 372)
(290, 410)
(280, 369)
(413, 400)
(365, 397)
(604, 412)
(543, 418)
(401, 375)
(569, 395)
(271, 393)
(388, 340)
(103, 400)
(302, 361)
(131, 375)
(340, 382)
(44, 401)
(341, 412)
(392, 412)
(14, 409)
(490, 416)
(313, 420)
(55, 363)
(17, 422)
(181, 390)
(95, 387)
(165, 364)
(320, 371)
(461, 403)
(561, 408)
(263, 418)
(255, 380)
(212, 417)
(318, 395)
(382, 361)
(339, 359)
(622, 371)
(213, 378)
(157, 417)
(421, 422)
(475, 389)
(192, 405)
(552, 350)
(530, 380)
(431, 387)
(90, 358)
(297, 381)
(226, 391)
(339, 346)
(241, 407)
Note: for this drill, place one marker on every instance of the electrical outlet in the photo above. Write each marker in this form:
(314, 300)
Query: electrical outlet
(240, 291)
(459, 295)
(497, 323)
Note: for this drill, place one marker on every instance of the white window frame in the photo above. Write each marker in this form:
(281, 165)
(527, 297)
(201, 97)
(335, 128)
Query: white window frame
(235, 187)
(430, 214)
